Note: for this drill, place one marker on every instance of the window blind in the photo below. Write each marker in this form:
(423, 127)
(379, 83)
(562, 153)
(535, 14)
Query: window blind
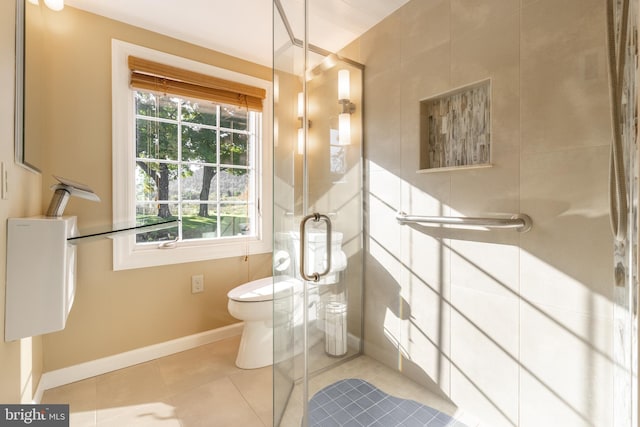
(149, 75)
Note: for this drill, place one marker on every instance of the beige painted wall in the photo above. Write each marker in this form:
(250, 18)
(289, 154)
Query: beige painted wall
(514, 328)
(117, 311)
(20, 361)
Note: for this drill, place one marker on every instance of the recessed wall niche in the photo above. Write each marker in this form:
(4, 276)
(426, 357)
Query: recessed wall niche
(455, 129)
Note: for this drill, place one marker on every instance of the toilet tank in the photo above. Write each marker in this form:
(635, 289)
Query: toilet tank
(287, 254)
(316, 255)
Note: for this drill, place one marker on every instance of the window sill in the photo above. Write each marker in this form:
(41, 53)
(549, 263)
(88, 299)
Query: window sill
(126, 255)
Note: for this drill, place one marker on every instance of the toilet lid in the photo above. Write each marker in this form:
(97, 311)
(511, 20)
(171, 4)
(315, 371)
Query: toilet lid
(262, 289)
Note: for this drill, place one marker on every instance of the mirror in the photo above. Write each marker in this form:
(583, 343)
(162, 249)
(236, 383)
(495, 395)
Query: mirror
(21, 156)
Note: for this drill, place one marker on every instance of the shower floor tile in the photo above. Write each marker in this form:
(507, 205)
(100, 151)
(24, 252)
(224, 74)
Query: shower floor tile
(356, 402)
(385, 381)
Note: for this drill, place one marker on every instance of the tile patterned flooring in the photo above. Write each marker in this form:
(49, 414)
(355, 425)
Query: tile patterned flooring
(198, 387)
(203, 387)
(355, 402)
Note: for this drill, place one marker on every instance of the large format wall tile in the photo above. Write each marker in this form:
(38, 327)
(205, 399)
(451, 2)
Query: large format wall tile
(430, 196)
(492, 51)
(566, 259)
(425, 26)
(468, 15)
(566, 369)
(383, 305)
(426, 259)
(383, 123)
(380, 48)
(564, 89)
(486, 266)
(423, 77)
(485, 355)
(426, 327)
(488, 191)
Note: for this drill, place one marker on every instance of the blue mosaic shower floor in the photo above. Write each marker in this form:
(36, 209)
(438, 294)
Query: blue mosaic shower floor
(356, 403)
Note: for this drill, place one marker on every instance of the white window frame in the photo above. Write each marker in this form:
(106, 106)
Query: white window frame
(127, 254)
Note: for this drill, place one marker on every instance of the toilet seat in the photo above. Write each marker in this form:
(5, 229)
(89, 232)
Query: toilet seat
(256, 290)
(263, 289)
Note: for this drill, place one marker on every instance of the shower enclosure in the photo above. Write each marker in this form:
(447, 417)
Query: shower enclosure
(317, 210)
(538, 328)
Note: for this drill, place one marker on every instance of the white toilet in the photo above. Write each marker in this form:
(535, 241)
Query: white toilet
(253, 302)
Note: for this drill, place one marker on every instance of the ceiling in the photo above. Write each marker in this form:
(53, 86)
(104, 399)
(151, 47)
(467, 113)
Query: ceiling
(243, 28)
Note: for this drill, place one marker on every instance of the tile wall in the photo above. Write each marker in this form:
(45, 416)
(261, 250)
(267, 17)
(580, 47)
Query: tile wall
(516, 328)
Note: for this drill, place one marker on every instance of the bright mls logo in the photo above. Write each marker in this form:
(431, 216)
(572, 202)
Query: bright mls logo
(34, 415)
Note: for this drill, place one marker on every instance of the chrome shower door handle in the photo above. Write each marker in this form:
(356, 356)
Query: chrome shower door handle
(316, 217)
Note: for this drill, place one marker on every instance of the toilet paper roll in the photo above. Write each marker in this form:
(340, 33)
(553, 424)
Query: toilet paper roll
(281, 260)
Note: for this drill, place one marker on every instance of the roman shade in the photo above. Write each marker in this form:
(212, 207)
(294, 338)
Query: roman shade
(149, 75)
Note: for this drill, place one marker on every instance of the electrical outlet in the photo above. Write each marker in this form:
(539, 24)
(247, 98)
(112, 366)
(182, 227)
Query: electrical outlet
(197, 283)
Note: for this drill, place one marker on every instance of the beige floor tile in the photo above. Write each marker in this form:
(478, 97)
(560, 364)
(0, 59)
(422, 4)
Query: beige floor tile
(256, 386)
(227, 348)
(189, 369)
(136, 386)
(217, 403)
(150, 414)
(81, 398)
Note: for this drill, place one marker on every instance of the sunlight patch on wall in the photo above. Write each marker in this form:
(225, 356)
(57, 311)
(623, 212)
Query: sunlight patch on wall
(386, 259)
(476, 310)
(26, 370)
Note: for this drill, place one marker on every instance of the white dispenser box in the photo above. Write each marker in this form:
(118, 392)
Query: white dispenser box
(41, 275)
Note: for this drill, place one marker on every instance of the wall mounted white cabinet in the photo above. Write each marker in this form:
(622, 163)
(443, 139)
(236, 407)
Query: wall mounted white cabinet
(41, 269)
(41, 275)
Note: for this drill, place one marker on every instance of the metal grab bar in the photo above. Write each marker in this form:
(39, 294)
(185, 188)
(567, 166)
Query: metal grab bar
(519, 222)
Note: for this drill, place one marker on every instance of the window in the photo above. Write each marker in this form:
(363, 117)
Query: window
(188, 151)
(194, 161)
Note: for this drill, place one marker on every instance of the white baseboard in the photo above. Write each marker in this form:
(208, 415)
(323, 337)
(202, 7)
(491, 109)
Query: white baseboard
(101, 366)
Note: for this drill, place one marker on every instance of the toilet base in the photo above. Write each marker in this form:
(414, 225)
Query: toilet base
(256, 345)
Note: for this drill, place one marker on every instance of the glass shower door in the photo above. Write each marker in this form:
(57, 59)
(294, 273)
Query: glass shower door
(317, 213)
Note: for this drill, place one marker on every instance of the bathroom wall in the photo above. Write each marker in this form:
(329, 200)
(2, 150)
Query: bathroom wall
(513, 328)
(117, 311)
(20, 361)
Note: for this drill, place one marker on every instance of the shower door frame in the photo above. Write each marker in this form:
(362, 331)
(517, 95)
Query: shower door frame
(304, 212)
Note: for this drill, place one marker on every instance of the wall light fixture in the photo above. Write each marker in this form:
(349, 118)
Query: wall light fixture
(348, 108)
(301, 127)
(55, 5)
